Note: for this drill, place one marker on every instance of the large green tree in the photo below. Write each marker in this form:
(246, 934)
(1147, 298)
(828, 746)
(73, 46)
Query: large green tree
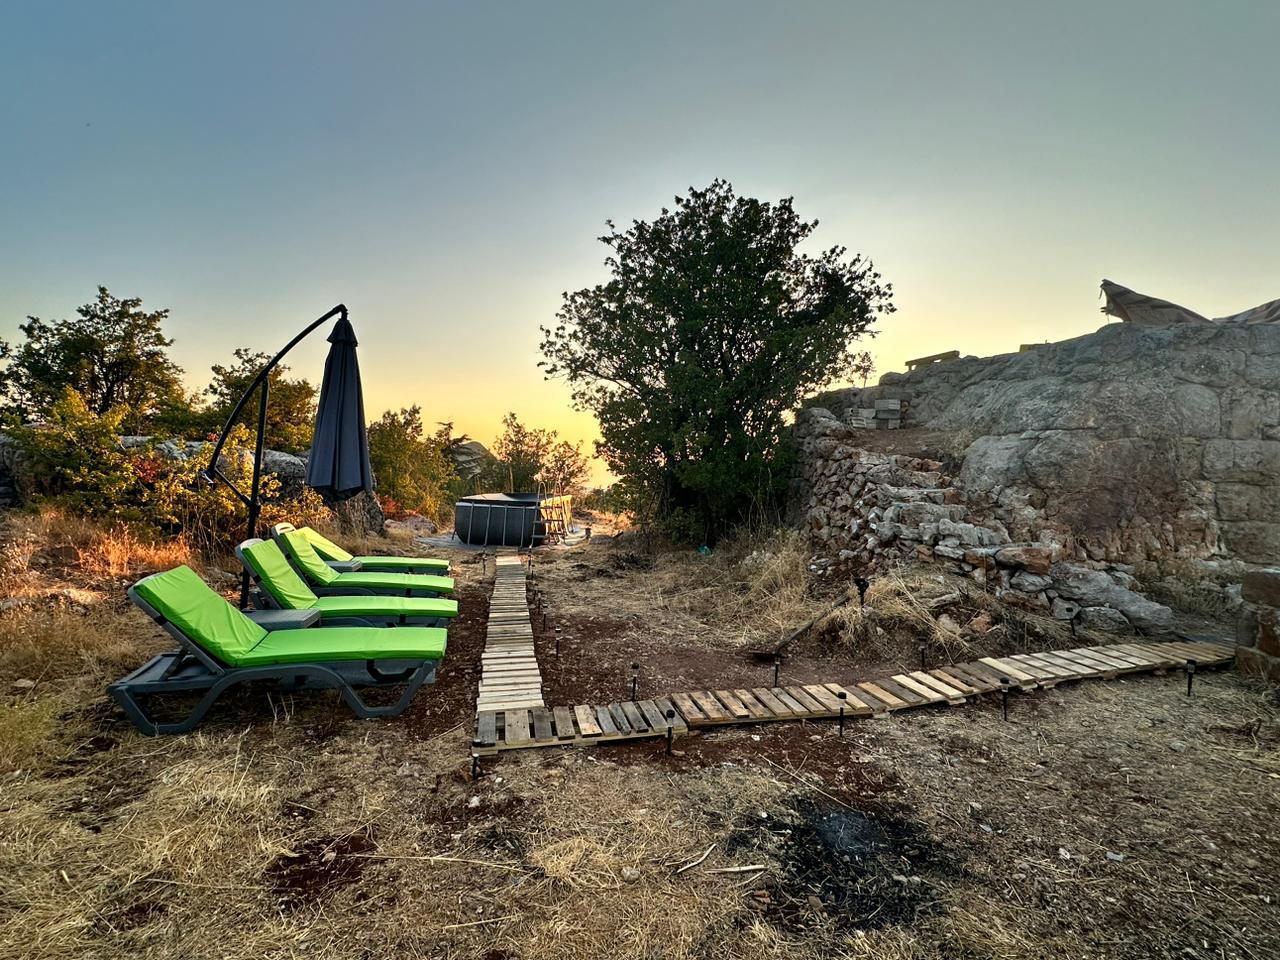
(291, 410)
(414, 470)
(113, 354)
(711, 330)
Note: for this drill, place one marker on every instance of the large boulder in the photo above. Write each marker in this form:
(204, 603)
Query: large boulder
(1096, 588)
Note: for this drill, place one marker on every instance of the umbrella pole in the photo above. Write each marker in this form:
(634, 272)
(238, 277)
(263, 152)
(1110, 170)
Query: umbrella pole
(255, 500)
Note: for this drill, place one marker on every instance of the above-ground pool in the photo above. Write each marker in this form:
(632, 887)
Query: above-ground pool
(510, 519)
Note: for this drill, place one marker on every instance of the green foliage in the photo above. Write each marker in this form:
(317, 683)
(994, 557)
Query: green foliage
(113, 355)
(711, 331)
(565, 468)
(76, 458)
(209, 515)
(291, 412)
(603, 499)
(524, 457)
(413, 470)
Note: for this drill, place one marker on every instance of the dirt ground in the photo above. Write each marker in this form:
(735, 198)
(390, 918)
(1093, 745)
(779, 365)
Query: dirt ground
(1104, 819)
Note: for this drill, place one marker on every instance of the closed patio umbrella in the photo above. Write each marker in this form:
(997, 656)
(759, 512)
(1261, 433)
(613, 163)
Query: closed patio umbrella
(338, 467)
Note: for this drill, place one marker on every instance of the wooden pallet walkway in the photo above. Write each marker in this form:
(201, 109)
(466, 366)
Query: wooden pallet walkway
(513, 727)
(509, 675)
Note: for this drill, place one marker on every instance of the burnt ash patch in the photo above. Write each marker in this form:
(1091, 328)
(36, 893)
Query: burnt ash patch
(851, 869)
(319, 868)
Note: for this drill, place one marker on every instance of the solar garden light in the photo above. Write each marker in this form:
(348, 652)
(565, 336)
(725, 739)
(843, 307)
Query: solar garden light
(1191, 674)
(777, 665)
(862, 583)
(635, 680)
(1004, 697)
(475, 766)
(924, 647)
(556, 633)
(670, 715)
(843, 697)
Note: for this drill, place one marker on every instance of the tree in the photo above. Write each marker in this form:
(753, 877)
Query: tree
(712, 328)
(863, 366)
(565, 469)
(113, 355)
(413, 470)
(520, 453)
(291, 412)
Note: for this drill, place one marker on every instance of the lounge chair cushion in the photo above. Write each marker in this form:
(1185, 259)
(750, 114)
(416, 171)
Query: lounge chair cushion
(386, 607)
(182, 598)
(276, 577)
(329, 550)
(302, 551)
(328, 644)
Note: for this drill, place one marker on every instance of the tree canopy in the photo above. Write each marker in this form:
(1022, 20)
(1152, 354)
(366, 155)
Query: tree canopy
(712, 329)
(114, 355)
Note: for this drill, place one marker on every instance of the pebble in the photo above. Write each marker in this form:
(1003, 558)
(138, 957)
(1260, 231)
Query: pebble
(630, 874)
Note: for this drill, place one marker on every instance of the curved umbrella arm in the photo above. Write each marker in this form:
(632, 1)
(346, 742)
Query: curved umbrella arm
(211, 472)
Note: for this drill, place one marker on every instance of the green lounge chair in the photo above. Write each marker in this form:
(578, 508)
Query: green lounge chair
(341, 560)
(220, 647)
(326, 581)
(280, 587)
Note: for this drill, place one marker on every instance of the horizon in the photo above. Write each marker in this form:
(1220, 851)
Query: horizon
(446, 172)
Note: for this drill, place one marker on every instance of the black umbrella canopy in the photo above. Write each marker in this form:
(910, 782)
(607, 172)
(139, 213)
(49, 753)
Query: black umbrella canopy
(339, 463)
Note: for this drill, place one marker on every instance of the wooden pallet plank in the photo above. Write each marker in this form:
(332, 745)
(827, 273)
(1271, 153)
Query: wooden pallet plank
(811, 706)
(608, 728)
(732, 704)
(486, 729)
(854, 705)
(926, 693)
(516, 733)
(905, 694)
(563, 717)
(542, 723)
(653, 716)
(1078, 666)
(823, 696)
(774, 705)
(635, 717)
(952, 694)
(684, 703)
(891, 701)
(1008, 669)
(710, 706)
(1085, 661)
(587, 721)
(620, 719)
(950, 678)
(1032, 666)
(677, 722)
(984, 681)
(758, 710)
(796, 708)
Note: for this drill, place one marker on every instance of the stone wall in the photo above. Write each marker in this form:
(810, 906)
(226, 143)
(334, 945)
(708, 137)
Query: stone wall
(1258, 650)
(1157, 447)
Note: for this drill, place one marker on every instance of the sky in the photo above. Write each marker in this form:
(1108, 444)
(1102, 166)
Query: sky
(445, 169)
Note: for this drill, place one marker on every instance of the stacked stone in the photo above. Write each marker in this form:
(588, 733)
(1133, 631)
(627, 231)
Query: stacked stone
(866, 511)
(1258, 638)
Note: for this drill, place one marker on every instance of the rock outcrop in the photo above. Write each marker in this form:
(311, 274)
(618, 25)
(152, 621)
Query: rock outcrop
(1134, 444)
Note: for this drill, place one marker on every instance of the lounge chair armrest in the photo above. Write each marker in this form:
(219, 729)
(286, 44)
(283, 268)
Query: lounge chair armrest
(344, 566)
(284, 619)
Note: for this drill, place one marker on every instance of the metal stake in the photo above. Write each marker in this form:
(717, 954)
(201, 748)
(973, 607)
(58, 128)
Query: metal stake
(843, 697)
(557, 636)
(670, 715)
(475, 766)
(1191, 674)
(1004, 697)
(862, 583)
(924, 646)
(635, 680)
(777, 665)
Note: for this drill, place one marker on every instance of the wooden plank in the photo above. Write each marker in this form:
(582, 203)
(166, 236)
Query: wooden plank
(677, 722)
(824, 697)
(710, 706)
(954, 682)
(684, 703)
(1087, 663)
(608, 729)
(791, 703)
(587, 721)
(853, 704)
(620, 719)
(635, 717)
(1080, 668)
(984, 681)
(905, 694)
(953, 694)
(1141, 656)
(772, 703)
(517, 728)
(1008, 669)
(1037, 668)
(564, 723)
(1090, 655)
(891, 701)
(542, 725)
(758, 710)
(926, 693)
(733, 704)
(813, 706)
(486, 729)
(653, 716)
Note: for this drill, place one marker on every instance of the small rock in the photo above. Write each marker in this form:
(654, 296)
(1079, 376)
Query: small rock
(982, 623)
(23, 684)
(1178, 746)
(630, 874)
(1116, 857)
(474, 803)
(1064, 853)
